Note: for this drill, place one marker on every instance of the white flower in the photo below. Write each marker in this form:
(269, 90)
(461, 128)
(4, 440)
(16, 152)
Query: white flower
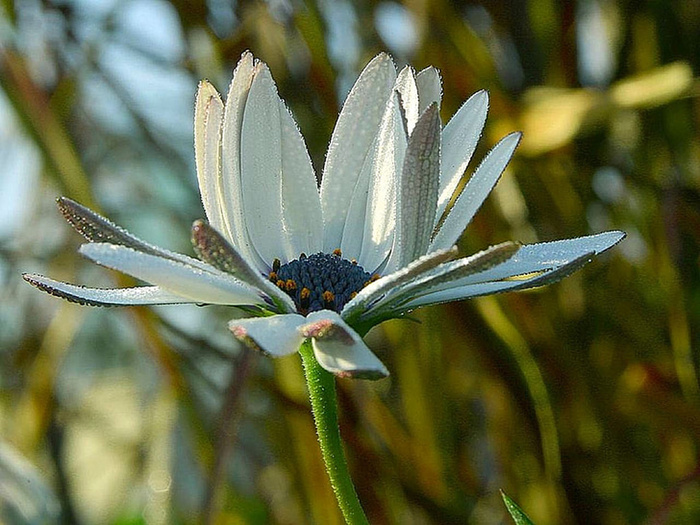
(374, 242)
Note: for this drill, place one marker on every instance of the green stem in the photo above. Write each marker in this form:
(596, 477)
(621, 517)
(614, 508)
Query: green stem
(324, 405)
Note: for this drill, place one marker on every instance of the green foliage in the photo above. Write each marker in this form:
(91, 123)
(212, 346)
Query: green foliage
(516, 512)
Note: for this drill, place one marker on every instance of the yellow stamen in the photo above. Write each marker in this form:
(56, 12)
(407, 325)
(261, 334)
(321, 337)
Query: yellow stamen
(328, 299)
(290, 285)
(304, 299)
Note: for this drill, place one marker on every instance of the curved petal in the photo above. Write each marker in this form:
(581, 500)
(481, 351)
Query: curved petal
(261, 166)
(417, 191)
(302, 220)
(531, 265)
(475, 192)
(437, 276)
(352, 141)
(208, 119)
(213, 248)
(429, 88)
(354, 227)
(201, 286)
(407, 89)
(230, 183)
(380, 217)
(276, 336)
(374, 291)
(339, 349)
(98, 229)
(140, 295)
(468, 291)
(459, 140)
(545, 256)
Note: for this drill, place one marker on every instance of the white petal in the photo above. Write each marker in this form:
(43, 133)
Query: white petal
(193, 283)
(468, 291)
(208, 119)
(213, 248)
(140, 295)
(459, 140)
(277, 335)
(261, 166)
(475, 191)
(406, 86)
(354, 228)
(352, 140)
(339, 349)
(230, 183)
(429, 88)
(418, 191)
(301, 206)
(98, 229)
(436, 277)
(549, 261)
(547, 255)
(374, 291)
(467, 266)
(380, 218)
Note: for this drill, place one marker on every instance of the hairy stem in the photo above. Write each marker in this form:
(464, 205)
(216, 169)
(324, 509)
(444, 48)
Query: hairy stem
(324, 405)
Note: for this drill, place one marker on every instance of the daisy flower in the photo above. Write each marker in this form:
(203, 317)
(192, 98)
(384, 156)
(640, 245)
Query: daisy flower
(324, 265)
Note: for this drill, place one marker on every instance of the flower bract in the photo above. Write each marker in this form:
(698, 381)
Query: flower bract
(375, 241)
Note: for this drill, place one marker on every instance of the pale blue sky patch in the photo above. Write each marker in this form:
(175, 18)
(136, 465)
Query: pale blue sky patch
(397, 28)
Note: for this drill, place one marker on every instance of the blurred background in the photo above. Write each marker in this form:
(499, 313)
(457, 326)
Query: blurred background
(580, 400)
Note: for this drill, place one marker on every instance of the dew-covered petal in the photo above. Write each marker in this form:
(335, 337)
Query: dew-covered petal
(374, 291)
(459, 139)
(458, 293)
(440, 276)
(339, 349)
(467, 266)
(352, 141)
(230, 183)
(545, 256)
(354, 228)
(408, 92)
(531, 265)
(261, 166)
(418, 191)
(475, 192)
(213, 248)
(201, 286)
(98, 229)
(139, 295)
(302, 221)
(276, 336)
(429, 88)
(208, 119)
(380, 217)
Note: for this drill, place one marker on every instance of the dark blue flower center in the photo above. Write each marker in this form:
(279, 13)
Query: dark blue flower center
(320, 281)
